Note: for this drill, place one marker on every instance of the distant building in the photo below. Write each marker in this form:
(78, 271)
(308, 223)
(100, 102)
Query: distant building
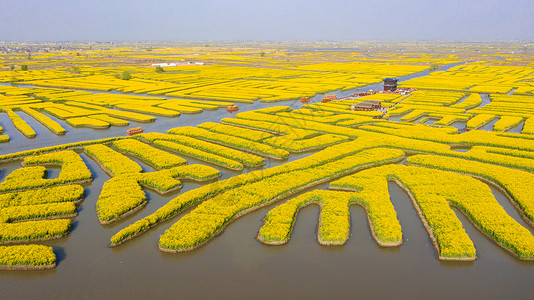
(367, 105)
(390, 84)
(164, 65)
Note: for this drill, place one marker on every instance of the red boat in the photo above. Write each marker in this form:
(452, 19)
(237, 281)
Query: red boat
(328, 98)
(232, 108)
(305, 100)
(135, 130)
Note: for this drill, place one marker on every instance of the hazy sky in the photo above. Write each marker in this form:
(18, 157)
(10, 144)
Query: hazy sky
(168, 20)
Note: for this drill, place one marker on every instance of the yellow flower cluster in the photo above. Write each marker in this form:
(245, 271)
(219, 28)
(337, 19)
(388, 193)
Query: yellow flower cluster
(37, 211)
(269, 127)
(334, 222)
(514, 182)
(205, 150)
(479, 120)
(199, 154)
(319, 117)
(119, 196)
(190, 172)
(292, 143)
(447, 135)
(297, 123)
(432, 189)
(211, 216)
(151, 110)
(499, 156)
(27, 257)
(63, 193)
(24, 178)
(507, 122)
(123, 194)
(473, 100)
(244, 133)
(231, 141)
(87, 122)
(195, 196)
(33, 230)
(111, 161)
(21, 125)
(73, 170)
(45, 120)
(157, 158)
(110, 120)
(311, 112)
(528, 127)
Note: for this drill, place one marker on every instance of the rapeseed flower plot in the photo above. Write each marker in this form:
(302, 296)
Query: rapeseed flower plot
(204, 150)
(231, 141)
(157, 158)
(111, 161)
(214, 214)
(21, 125)
(334, 222)
(433, 190)
(27, 257)
(73, 170)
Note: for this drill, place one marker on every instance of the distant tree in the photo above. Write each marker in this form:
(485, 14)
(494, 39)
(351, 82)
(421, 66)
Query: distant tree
(78, 54)
(159, 69)
(29, 56)
(13, 79)
(12, 67)
(126, 75)
(75, 69)
(434, 67)
(262, 54)
(24, 67)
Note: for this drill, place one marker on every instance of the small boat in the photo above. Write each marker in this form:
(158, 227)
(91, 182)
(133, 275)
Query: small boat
(305, 99)
(232, 108)
(328, 98)
(135, 130)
